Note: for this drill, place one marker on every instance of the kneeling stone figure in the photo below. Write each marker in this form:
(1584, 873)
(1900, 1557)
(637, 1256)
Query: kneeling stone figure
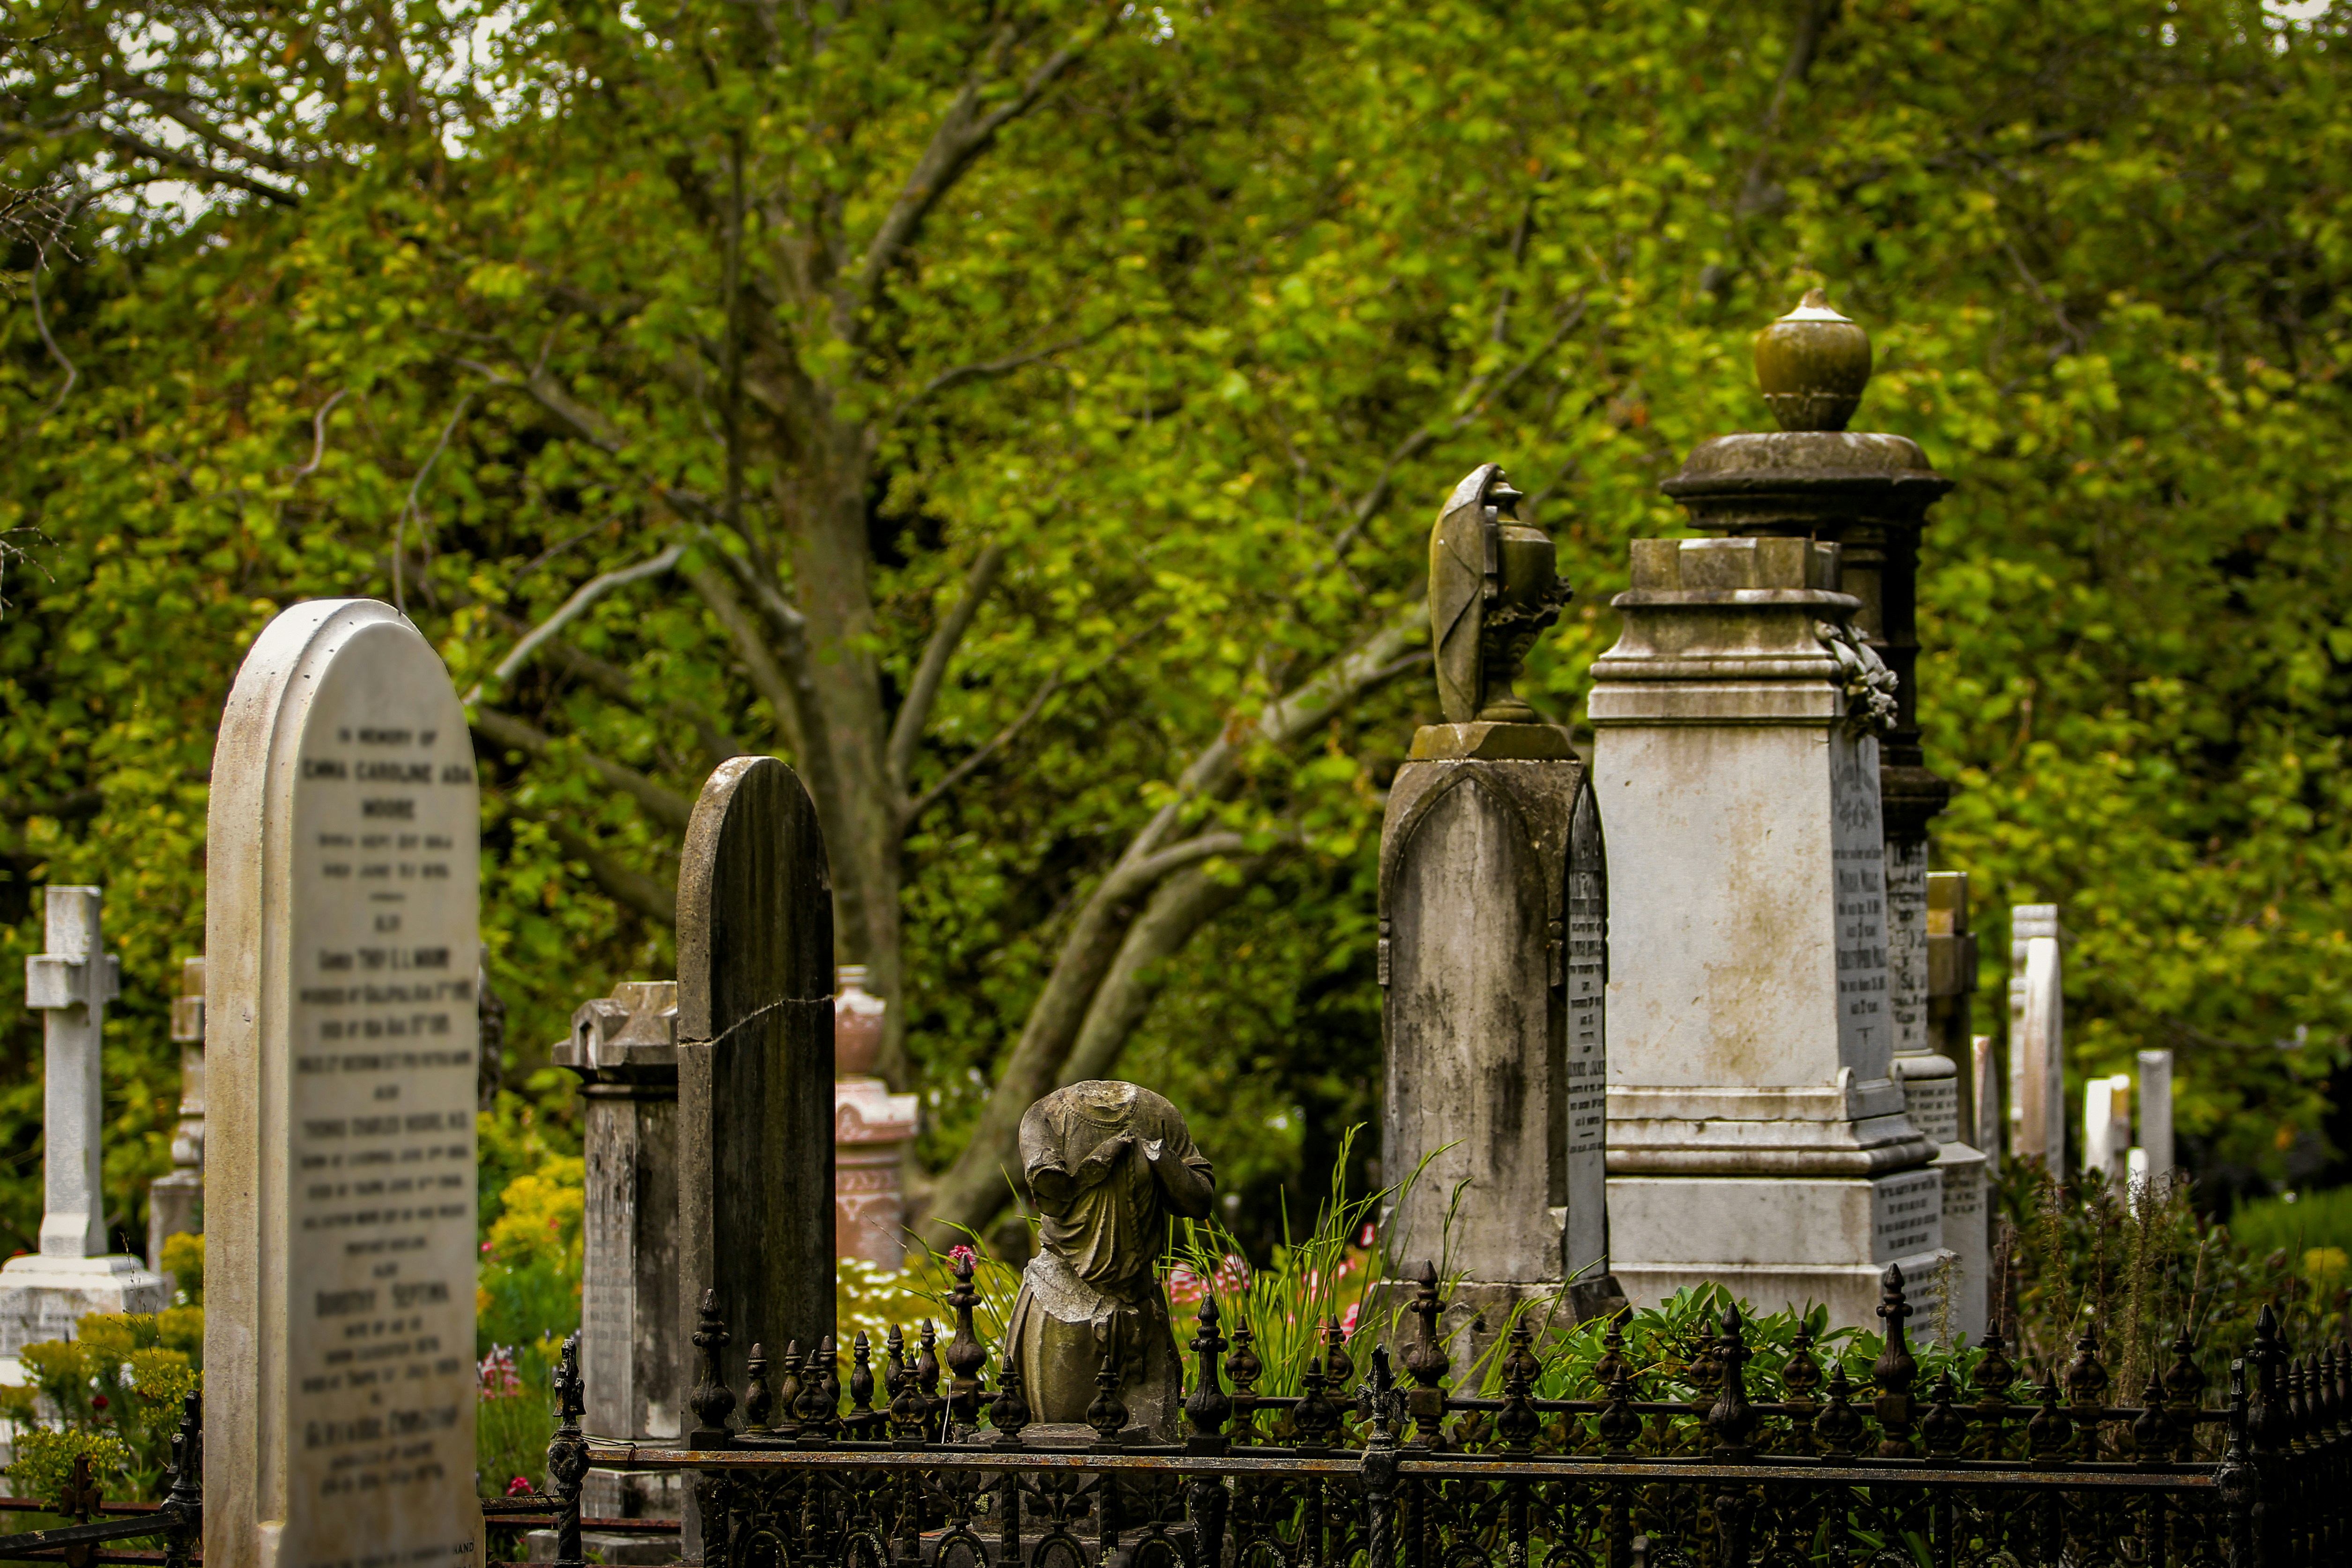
(1107, 1165)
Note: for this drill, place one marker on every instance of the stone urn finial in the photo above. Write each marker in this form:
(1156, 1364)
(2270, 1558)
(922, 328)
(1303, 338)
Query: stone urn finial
(1812, 364)
(857, 1024)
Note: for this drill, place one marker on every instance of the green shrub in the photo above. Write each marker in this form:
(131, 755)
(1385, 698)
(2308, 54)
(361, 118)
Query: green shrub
(115, 1390)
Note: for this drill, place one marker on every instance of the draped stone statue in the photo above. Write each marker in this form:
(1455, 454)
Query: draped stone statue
(1109, 1165)
(1492, 588)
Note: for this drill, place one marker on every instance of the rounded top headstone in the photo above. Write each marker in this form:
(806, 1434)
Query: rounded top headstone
(1812, 365)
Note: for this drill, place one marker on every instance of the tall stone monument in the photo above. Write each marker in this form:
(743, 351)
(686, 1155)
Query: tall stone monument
(754, 1068)
(1758, 1133)
(341, 933)
(175, 1202)
(1945, 1104)
(624, 1049)
(1494, 945)
(2156, 1118)
(45, 1294)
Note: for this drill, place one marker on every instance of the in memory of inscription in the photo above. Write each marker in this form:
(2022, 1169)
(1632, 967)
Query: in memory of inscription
(341, 946)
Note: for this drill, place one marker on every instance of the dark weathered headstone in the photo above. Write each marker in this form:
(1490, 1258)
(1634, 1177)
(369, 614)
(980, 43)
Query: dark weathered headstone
(755, 1066)
(1494, 925)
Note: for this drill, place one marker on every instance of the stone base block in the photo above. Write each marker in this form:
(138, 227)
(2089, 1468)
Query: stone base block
(1849, 1291)
(618, 1494)
(605, 1546)
(1968, 1232)
(43, 1297)
(1780, 1241)
(174, 1207)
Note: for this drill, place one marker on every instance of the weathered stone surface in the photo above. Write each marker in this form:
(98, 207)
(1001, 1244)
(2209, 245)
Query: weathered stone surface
(2155, 1117)
(175, 1202)
(625, 1048)
(755, 1066)
(1751, 1074)
(871, 1128)
(341, 942)
(1108, 1165)
(1495, 937)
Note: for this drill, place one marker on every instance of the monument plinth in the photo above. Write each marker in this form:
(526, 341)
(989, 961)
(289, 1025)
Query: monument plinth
(1494, 947)
(633, 1346)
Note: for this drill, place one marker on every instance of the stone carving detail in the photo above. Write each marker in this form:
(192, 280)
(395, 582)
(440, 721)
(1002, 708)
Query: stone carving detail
(1870, 701)
(1492, 589)
(1108, 1164)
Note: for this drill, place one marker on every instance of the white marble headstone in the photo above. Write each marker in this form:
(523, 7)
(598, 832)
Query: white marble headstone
(341, 944)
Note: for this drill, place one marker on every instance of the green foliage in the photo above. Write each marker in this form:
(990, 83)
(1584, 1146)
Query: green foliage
(183, 1260)
(526, 1292)
(115, 1390)
(514, 1417)
(1238, 302)
(2299, 1224)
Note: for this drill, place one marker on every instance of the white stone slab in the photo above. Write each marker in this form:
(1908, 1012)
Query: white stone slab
(340, 947)
(2040, 1060)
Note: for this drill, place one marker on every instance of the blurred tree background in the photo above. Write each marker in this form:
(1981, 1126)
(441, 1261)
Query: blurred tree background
(1026, 418)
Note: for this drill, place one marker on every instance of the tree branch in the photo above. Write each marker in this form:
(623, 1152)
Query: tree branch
(1184, 904)
(572, 609)
(959, 375)
(964, 134)
(661, 803)
(716, 742)
(969, 1191)
(906, 729)
(631, 890)
(797, 717)
(994, 743)
(194, 168)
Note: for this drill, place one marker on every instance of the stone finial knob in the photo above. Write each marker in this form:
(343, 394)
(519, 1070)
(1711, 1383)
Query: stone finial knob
(1812, 364)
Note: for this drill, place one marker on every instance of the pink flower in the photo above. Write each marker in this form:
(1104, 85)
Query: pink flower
(1347, 1319)
(961, 1254)
(519, 1487)
(1366, 1238)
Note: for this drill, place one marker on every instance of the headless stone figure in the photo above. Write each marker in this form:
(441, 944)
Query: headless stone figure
(1109, 1165)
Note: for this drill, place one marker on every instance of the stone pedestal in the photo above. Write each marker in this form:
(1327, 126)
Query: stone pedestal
(625, 1048)
(42, 1295)
(1494, 951)
(175, 1202)
(871, 1128)
(1756, 1131)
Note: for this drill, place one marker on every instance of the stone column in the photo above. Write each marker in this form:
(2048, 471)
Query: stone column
(2037, 1036)
(1493, 948)
(871, 1129)
(1756, 1132)
(175, 1202)
(1940, 1091)
(43, 1296)
(2156, 1118)
(2106, 1126)
(624, 1049)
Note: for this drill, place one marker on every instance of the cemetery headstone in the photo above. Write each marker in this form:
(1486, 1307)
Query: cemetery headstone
(175, 1202)
(2037, 1034)
(755, 1066)
(871, 1128)
(1494, 947)
(2155, 1117)
(43, 1295)
(1940, 1092)
(341, 936)
(2106, 1126)
(625, 1048)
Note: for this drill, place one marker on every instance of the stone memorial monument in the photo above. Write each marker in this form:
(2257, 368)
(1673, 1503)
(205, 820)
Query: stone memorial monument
(1107, 1165)
(2156, 1118)
(1759, 1134)
(1942, 1098)
(341, 933)
(45, 1294)
(871, 1129)
(1494, 946)
(2106, 1127)
(2037, 1037)
(175, 1202)
(754, 1068)
(624, 1049)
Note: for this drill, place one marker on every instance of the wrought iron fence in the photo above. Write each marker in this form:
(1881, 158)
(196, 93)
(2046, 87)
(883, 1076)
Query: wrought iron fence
(177, 1522)
(2002, 1471)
